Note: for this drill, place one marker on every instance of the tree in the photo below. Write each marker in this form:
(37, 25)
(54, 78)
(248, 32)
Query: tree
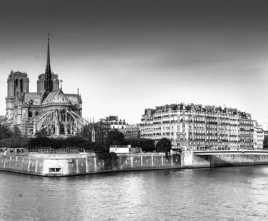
(41, 133)
(80, 142)
(147, 145)
(86, 131)
(39, 142)
(14, 142)
(163, 145)
(11, 137)
(114, 138)
(5, 132)
(75, 142)
(99, 148)
(16, 132)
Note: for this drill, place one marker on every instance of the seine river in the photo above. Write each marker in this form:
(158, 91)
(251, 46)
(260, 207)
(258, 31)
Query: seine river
(200, 194)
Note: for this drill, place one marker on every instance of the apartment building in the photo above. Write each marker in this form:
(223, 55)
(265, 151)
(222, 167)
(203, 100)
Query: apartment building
(115, 122)
(199, 127)
(258, 136)
(131, 131)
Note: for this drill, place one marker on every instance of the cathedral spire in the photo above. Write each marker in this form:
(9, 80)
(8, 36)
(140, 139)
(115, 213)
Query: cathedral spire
(48, 74)
(48, 55)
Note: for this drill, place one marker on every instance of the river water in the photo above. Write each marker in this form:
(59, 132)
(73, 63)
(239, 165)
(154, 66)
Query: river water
(239, 193)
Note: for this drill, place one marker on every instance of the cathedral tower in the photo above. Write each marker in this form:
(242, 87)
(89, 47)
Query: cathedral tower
(17, 86)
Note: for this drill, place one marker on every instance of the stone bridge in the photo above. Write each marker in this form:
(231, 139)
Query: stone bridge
(215, 158)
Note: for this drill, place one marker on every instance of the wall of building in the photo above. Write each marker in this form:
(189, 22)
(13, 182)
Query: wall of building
(131, 131)
(197, 126)
(258, 136)
(17, 86)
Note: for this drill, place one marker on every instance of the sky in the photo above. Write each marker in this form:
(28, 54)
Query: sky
(125, 56)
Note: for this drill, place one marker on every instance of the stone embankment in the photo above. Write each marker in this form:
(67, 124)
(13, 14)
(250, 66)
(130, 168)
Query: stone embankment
(89, 163)
(204, 159)
(85, 163)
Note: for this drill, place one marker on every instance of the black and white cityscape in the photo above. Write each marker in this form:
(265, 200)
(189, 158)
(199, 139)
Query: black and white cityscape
(133, 110)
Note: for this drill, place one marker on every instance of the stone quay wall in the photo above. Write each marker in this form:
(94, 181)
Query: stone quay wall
(21, 164)
(85, 163)
(224, 158)
(89, 163)
(242, 159)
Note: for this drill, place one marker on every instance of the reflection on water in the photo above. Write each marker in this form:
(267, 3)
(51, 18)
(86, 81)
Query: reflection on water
(201, 194)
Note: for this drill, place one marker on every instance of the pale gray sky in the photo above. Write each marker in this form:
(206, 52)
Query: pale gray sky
(126, 56)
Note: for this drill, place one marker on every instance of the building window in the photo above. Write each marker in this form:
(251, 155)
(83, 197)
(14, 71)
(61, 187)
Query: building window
(54, 170)
(21, 85)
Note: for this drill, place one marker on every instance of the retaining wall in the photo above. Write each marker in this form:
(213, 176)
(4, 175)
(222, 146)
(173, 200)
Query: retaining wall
(86, 163)
(81, 164)
(238, 158)
(22, 164)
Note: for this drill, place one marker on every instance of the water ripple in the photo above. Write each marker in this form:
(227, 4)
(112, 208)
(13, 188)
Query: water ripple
(205, 194)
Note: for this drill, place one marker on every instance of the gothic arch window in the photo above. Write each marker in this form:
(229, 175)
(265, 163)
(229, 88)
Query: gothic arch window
(30, 114)
(16, 83)
(21, 85)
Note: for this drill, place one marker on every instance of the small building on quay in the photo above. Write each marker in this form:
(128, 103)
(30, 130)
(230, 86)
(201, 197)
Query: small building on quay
(200, 127)
(124, 149)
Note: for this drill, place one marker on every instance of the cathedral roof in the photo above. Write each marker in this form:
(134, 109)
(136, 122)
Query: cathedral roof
(75, 99)
(56, 97)
(32, 98)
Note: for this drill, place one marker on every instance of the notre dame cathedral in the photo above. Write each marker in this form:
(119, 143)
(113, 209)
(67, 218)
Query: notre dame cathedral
(48, 110)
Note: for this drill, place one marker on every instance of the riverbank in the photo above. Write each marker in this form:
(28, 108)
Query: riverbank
(84, 163)
(74, 164)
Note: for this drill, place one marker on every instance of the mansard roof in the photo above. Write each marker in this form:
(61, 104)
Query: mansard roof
(56, 97)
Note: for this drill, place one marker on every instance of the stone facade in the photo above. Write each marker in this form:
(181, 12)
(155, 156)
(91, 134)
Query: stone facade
(114, 122)
(132, 131)
(199, 127)
(258, 136)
